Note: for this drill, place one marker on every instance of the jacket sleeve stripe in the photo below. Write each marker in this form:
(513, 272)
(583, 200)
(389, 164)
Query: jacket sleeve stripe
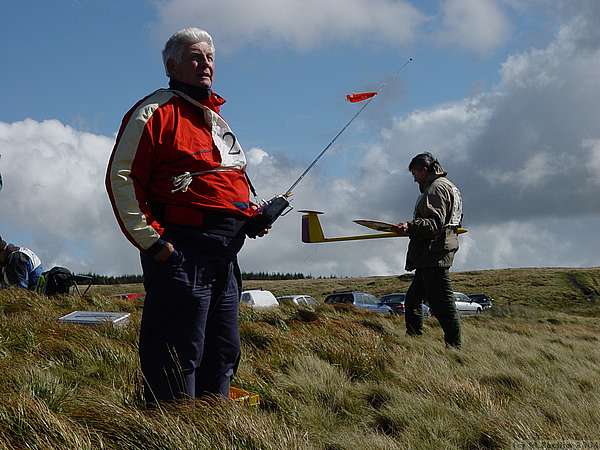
(119, 183)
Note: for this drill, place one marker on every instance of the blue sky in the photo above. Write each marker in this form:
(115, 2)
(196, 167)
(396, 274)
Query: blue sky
(85, 62)
(74, 68)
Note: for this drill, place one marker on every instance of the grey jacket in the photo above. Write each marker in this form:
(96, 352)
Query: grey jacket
(432, 232)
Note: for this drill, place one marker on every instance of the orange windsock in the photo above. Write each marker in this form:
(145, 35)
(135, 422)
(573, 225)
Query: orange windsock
(360, 96)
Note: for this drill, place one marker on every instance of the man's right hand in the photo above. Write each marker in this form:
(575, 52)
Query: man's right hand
(164, 253)
(402, 228)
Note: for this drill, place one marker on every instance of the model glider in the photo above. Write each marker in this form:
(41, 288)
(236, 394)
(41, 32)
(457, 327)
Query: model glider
(312, 232)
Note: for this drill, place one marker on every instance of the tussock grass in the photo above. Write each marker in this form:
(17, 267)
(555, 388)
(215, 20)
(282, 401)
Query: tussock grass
(328, 379)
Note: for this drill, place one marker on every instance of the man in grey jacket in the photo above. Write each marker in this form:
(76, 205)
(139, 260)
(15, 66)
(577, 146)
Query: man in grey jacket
(433, 243)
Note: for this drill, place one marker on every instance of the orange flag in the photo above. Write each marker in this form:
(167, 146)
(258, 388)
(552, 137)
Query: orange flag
(360, 96)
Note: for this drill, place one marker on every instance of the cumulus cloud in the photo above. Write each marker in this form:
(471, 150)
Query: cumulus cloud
(525, 155)
(537, 133)
(477, 25)
(524, 150)
(54, 199)
(555, 242)
(301, 24)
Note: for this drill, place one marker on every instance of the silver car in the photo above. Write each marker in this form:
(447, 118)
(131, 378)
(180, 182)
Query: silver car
(298, 300)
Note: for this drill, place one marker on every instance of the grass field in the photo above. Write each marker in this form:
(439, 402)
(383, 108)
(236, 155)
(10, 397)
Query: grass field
(330, 379)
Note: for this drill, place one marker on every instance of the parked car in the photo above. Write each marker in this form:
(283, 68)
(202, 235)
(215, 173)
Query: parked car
(360, 300)
(396, 302)
(259, 298)
(465, 306)
(484, 300)
(298, 300)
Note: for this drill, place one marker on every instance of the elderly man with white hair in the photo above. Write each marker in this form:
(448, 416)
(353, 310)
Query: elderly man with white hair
(178, 186)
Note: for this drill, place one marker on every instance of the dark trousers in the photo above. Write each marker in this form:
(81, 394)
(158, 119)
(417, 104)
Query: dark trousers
(189, 335)
(432, 285)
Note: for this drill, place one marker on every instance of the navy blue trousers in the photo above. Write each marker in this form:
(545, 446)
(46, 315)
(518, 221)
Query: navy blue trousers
(189, 335)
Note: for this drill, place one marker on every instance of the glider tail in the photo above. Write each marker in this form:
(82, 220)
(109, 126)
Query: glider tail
(311, 227)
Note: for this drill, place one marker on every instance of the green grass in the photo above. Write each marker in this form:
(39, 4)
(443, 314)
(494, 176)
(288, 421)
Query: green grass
(329, 379)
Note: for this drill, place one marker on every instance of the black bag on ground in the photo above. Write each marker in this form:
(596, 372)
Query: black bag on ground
(58, 281)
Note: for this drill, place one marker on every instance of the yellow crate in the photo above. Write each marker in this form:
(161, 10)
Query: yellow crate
(244, 397)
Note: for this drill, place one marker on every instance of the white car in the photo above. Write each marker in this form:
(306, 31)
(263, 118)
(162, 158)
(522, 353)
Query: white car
(298, 300)
(258, 298)
(465, 305)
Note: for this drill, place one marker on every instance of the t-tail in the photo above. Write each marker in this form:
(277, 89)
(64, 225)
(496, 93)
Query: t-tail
(311, 227)
(312, 232)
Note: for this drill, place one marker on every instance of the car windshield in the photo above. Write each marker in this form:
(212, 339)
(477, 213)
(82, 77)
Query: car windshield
(369, 299)
(339, 298)
(460, 297)
(286, 299)
(392, 299)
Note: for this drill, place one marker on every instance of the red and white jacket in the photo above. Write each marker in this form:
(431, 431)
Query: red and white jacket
(163, 136)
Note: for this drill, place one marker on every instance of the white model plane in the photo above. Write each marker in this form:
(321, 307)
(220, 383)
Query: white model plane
(312, 232)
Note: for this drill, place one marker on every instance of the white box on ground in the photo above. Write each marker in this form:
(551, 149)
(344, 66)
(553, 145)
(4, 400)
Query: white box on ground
(117, 319)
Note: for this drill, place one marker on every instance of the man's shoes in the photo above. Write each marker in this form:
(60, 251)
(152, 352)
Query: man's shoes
(452, 346)
(414, 333)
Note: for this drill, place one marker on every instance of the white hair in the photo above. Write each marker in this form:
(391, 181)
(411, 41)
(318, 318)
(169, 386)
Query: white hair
(176, 44)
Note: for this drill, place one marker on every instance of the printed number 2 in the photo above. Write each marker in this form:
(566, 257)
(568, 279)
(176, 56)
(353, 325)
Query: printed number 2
(234, 140)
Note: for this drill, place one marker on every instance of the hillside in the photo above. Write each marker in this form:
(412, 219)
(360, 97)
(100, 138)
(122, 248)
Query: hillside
(574, 291)
(333, 379)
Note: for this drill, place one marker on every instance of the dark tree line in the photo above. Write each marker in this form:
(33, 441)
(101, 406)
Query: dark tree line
(114, 279)
(130, 279)
(274, 276)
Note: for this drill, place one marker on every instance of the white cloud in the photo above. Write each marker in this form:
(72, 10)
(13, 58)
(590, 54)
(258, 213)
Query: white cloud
(445, 129)
(54, 189)
(477, 25)
(534, 171)
(301, 24)
(532, 243)
(256, 156)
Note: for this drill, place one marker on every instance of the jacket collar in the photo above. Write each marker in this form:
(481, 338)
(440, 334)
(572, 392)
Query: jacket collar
(203, 96)
(430, 179)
